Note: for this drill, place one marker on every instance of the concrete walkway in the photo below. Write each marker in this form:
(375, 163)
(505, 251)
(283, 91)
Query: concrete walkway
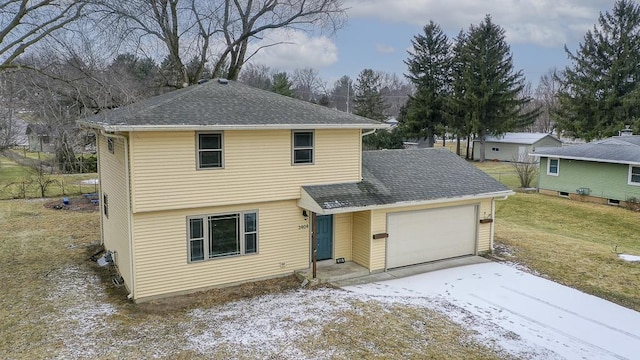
(411, 270)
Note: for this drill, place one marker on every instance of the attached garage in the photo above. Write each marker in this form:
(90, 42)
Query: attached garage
(428, 235)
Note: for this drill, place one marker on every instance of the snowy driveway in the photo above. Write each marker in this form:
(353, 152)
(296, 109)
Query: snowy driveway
(545, 314)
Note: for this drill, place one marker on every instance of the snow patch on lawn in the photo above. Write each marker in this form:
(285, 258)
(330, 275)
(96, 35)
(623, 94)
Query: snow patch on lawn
(90, 182)
(81, 311)
(269, 325)
(630, 258)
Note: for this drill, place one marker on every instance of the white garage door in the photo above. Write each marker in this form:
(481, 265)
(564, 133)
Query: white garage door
(427, 235)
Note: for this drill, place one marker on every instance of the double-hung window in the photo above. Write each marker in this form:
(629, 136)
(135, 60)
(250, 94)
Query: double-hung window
(553, 167)
(210, 154)
(634, 175)
(302, 152)
(222, 235)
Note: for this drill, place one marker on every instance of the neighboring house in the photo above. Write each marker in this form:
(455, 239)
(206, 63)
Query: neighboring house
(512, 146)
(221, 183)
(40, 138)
(606, 171)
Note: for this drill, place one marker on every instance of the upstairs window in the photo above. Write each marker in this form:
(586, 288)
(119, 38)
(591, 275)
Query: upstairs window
(302, 147)
(553, 167)
(110, 145)
(634, 175)
(210, 151)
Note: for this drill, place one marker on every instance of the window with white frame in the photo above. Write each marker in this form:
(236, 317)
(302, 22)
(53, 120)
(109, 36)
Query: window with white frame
(302, 152)
(210, 153)
(222, 235)
(553, 167)
(634, 175)
(110, 145)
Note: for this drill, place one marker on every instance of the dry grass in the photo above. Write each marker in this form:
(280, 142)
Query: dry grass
(17, 181)
(501, 171)
(57, 304)
(573, 243)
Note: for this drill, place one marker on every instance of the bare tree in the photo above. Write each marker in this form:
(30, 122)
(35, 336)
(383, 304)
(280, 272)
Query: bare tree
(216, 30)
(307, 84)
(23, 23)
(547, 96)
(257, 75)
(11, 94)
(395, 91)
(526, 168)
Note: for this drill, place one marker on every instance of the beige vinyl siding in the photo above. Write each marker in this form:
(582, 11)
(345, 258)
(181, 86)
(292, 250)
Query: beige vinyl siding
(361, 246)
(379, 225)
(257, 168)
(342, 236)
(115, 228)
(162, 251)
(378, 246)
(484, 230)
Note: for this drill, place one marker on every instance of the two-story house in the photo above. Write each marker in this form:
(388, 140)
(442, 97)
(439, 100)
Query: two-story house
(221, 183)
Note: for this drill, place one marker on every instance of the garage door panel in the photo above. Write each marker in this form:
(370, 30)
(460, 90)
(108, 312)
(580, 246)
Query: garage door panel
(428, 235)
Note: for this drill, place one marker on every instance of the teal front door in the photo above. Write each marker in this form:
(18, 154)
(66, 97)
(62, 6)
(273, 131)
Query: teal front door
(324, 236)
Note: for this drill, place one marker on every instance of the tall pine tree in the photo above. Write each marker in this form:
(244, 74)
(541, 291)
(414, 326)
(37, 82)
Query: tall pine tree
(600, 90)
(493, 90)
(368, 101)
(429, 69)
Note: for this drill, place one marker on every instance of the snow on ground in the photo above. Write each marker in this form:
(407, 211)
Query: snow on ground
(268, 324)
(510, 310)
(542, 314)
(81, 307)
(630, 258)
(90, 182)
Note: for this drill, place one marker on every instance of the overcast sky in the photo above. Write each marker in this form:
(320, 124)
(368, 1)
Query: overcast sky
(379, 32)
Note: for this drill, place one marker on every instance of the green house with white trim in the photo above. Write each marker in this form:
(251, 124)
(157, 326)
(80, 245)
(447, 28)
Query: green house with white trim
(605, 171)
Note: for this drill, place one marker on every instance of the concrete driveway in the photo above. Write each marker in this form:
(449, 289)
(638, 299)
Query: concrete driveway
(544, 314)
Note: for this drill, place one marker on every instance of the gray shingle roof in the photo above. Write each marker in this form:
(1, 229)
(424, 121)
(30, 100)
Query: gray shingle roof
(621, 140)
(621, 152)
(401, 176)
(215, 104)
(518, 138)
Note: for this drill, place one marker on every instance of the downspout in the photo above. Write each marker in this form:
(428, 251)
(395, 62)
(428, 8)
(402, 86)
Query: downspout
(129, 217)
(493, 216)
(360, 152)
(314, 244)
(99, 189)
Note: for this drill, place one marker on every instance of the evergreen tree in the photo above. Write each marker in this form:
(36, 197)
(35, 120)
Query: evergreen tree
(493, 91)
(281, 84)
(600, 90)
(342, 94)
(460, 116)
(368, 101)
(430, 71)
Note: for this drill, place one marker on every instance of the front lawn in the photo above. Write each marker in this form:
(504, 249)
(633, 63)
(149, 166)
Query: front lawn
(573, 243)
(55, 303)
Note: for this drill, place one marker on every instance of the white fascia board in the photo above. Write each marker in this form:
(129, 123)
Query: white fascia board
(306, 202)
(130, 128)
(586, 159)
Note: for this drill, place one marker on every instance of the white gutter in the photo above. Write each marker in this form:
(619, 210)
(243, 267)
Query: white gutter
(129, 217)
(130, 128)
(307, 202)
(586, 159)
(368, 132)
